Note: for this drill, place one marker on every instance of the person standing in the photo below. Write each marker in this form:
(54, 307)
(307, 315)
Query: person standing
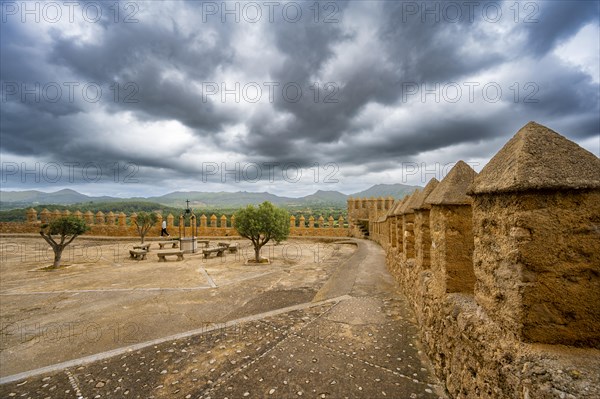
(164, 232)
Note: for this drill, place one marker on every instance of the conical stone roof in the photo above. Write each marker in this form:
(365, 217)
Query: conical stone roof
(419, 202)
(397, 207)
(453, 188)
(408, 205)
(538, 158)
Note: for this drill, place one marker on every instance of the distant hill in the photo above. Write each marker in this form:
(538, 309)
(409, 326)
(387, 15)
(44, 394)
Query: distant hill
(20, 199)
(223, 199)
(326, 197)
(201, 200)
(386, 190)
(65, 196)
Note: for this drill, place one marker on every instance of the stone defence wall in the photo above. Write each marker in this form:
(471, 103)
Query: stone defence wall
(119, 225)
(476, 354)
(408, 237)
(422, 240)
(452, 248)
(509, 306)
(537, 261)
(367, 210)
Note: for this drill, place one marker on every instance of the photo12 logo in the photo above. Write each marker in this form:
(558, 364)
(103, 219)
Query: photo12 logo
(54, 172)
(253, 92)
(53, 12)
(453, 92)
(71, 92)
(422, 172)
(469, 11)
(270, 11)
(70, 332)
(252, 172)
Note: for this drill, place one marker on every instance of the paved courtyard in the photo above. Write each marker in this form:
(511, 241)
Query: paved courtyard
(323, 320)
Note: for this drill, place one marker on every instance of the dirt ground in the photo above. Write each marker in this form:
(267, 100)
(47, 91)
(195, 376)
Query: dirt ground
(102, 299)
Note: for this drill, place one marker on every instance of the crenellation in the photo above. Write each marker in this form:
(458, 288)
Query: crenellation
(122, 219)
(110, 218)
(132, 219)
(45, 216)
(32, 216)
(503, 268)
(88, 216)
(99, 218)
(107, 225)
(422, 233)
(538, 249)
(452, 232)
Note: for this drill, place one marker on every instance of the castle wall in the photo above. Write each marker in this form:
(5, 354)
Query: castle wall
(537, 258)
(452, 248)
(122, 226)
(505, 281)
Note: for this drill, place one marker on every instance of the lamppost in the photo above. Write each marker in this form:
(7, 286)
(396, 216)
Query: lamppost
(188, 244)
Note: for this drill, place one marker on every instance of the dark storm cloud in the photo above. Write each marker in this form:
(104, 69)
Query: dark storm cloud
(424, 52)
(22, 67)
(141, 53)
(137, 53)
(404, 144)
(415, 52)
(555, 21)
(170, 52)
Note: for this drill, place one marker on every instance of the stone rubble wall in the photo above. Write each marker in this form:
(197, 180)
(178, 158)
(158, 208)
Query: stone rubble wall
(505, 289)
(366, 210)
(486, 333)
(121, 225)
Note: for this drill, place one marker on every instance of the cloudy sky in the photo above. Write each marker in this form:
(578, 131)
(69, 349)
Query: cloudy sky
(147, 97)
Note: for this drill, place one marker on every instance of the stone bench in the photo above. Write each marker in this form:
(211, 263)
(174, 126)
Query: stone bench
(230, 247)
(138, 254)
(144, 247)
(174, 243)
(205, 242)
(218, 250)
(164, 253)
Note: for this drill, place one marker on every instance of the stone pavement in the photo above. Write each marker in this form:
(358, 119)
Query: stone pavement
(357, 339)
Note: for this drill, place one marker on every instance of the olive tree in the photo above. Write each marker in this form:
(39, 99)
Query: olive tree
(144, 223)
(261, 224)
(67, 228)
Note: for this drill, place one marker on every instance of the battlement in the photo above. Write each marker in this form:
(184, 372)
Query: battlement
(503, 268)
(119, 224)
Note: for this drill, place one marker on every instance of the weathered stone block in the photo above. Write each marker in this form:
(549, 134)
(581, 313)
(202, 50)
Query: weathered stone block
(452, 248)
(538, 264)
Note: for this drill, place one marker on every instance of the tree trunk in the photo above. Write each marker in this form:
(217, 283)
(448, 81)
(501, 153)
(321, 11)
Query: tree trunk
(257, 254)
(142, 235)
(57, 256)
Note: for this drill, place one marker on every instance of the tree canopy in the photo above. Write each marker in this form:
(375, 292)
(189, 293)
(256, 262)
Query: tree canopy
(144, 223)
(262, 224)
(67, 228)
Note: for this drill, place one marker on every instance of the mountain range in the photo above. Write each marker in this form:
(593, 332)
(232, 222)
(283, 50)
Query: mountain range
(198, 199)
